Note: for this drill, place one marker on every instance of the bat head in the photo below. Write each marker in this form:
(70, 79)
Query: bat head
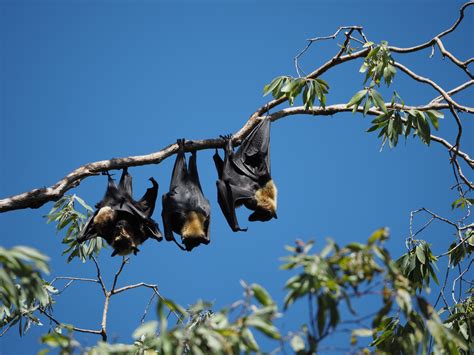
(125, 239)
(266, 198)
(195, 230)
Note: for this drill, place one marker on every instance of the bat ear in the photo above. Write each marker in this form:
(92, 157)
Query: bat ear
(114, 253)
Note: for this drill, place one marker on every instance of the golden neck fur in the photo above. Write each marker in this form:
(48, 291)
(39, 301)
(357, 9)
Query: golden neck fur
(194, 225)
(267, 197)
(106, 215)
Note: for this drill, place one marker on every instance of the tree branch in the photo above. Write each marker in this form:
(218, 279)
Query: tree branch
(440, 35)
(38, 197)
(80, 330)
(434, 86)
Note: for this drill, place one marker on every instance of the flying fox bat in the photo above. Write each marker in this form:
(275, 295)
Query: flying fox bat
(185, 209)
(244, 177)
(123, 222)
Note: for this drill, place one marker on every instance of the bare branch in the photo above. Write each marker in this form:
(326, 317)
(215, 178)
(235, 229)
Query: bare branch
(99, 276)
(312, 40)
(457, 278)
(440, 35)
(435, 86)
(103, 330)
(124, 262)
(337, 108)
(453, 91)
(76, 329)
(455, 60)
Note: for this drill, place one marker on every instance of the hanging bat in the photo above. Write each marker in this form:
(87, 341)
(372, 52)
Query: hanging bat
(185, 209)
(244, 177)
(123, 222)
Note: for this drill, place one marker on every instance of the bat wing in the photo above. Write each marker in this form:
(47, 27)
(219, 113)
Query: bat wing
(219, 164)
(148, 201)
(253, 155)
(227, 199)
(125, 184)
(193, 172)
(87, 232)
(112, 195)
(180, 170)
(152, 229)
(166, 215)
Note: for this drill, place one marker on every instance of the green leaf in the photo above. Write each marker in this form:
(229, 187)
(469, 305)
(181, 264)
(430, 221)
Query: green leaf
(249, 340)
(357, 98)
(367, 105)
(434, 117)
(420, 254)
(262, 296)
(266, 328)
(83, 203)
(174, 307)
(423, 127)
(378, 100)
(270, 87)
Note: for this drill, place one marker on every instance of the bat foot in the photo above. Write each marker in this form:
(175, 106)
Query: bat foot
(181, 142)
(226, 137)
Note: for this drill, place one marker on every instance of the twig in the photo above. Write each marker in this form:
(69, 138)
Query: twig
(440, 35)
(453, 91)
(456, 279)
(76, 329)
(99, 276)
(434, 85)
(124, 261)
(455, 60)
(143, 284)
(147, 307)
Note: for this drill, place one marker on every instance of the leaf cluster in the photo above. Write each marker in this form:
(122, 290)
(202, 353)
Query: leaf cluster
(70, 220)
(289, 87)
(22, 288)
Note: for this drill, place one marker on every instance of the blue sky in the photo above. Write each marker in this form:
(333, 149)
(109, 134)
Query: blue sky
(83, 81)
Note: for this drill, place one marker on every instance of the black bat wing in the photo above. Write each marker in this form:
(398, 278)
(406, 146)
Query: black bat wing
(227, 195)
(234, 187)
(112, 196)
(179, 176)
(148, 201)
(87, 232)
(125, 184)
(253, 155)
(201, 203)
(167, 215)
(147, 205)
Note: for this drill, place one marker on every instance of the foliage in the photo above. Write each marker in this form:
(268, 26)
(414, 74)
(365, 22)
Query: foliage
(23, 290)
(198, 329)
(72, 221)
(289, 87)
(330, 280)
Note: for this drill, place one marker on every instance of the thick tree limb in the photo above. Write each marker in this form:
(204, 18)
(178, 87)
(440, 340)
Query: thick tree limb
(38, 197)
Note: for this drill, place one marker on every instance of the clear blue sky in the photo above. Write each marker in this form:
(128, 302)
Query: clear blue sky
(83, 81)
